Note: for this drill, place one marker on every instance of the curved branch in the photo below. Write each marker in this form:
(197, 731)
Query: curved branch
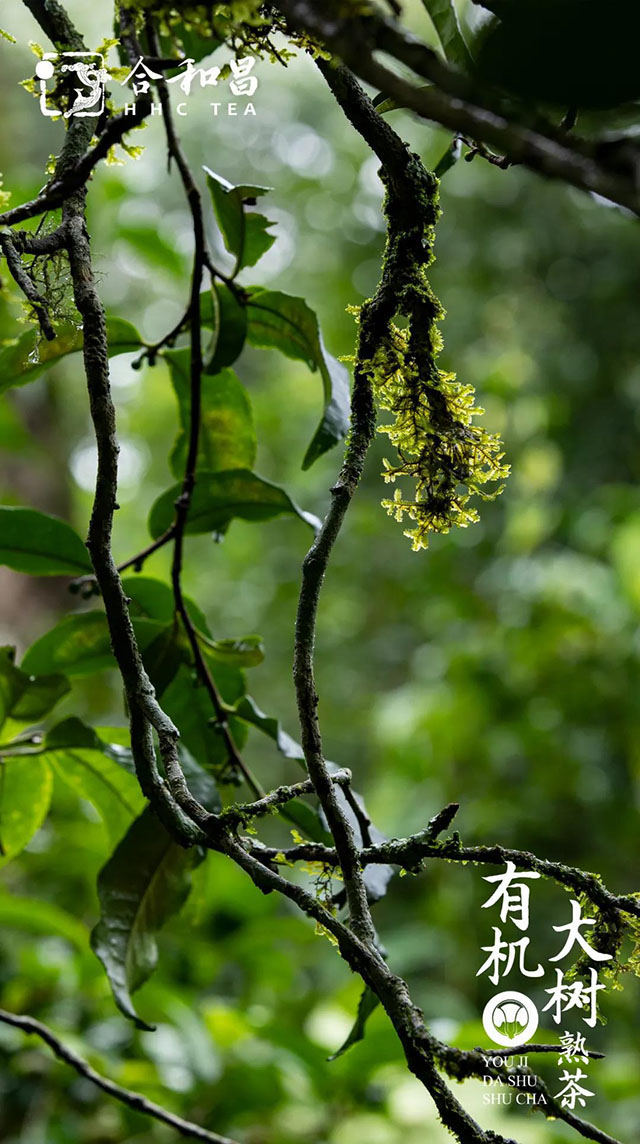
(456, 102)
(133, 1100)
(410, 853)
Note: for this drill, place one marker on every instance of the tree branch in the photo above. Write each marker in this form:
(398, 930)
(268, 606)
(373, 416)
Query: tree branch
(240, 812)
(462, 1064)
(410, 853)
(30, 292)
(133, 1100)
(454, 101)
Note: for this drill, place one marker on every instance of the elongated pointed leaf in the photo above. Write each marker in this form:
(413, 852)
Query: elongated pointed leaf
(221, 497)
(12, 682)
(25, 793)
(153, 599)
(25, 699)
(247, 651)
(29, 356)
(246, 234)
(445, 21)
(184, 41)
(449, 158)
(286, 323)
(377, 876)
(77, 756)
(227, 435)
(229, 331)
(40, 544)
(367, 1004)
(80, 644)
(248, 710)
(144, 883)
(39, 697)
(165, 653)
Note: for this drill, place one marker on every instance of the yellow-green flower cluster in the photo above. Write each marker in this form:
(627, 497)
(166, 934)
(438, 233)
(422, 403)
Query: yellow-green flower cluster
(449, 458)
(438, 445)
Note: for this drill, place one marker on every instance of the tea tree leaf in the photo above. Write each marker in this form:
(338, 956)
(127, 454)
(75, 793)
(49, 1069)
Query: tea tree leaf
(286, 323)
(145, 882)
(227, 435)
(42, 545)
(221, 497)
(28, 357)
(26, 784)
(246, 235)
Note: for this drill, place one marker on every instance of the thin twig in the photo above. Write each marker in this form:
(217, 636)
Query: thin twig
(23, 280)
(133, 1100)
(360, 814)
(241, 811)
(183, 503)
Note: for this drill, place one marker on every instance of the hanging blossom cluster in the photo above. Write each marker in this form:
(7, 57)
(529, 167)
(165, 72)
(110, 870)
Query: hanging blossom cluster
(449, 458)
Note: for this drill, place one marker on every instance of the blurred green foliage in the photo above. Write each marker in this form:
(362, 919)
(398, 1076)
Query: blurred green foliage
(500, 669)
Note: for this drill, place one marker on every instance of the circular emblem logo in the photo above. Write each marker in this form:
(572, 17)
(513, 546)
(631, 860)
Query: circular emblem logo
(510, 1019)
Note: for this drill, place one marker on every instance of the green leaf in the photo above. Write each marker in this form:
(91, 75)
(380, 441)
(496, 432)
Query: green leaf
(367, 1004)
(43, 545)
(307, 819)
(71, 734)
(11, 682)
(445, 21)
(150, 598)
(29, 356)
(382, 104)
(248, 651)
(153, 599)
(185, 40)
(247, 709)
(34, 916)
(77, 756)
(450, 157)
(39, 697)
(221, 497)
(230, 329)
(25, 793)
(80, 644)
(165, 653)
(227, 435)
(188, 704)
(376, 876)
(284, 322)
(245, 234)
(145, 238)
(26, 699)
(144, 883)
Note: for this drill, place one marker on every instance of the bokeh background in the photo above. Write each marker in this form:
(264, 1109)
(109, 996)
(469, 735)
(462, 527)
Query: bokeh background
(499, 669)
